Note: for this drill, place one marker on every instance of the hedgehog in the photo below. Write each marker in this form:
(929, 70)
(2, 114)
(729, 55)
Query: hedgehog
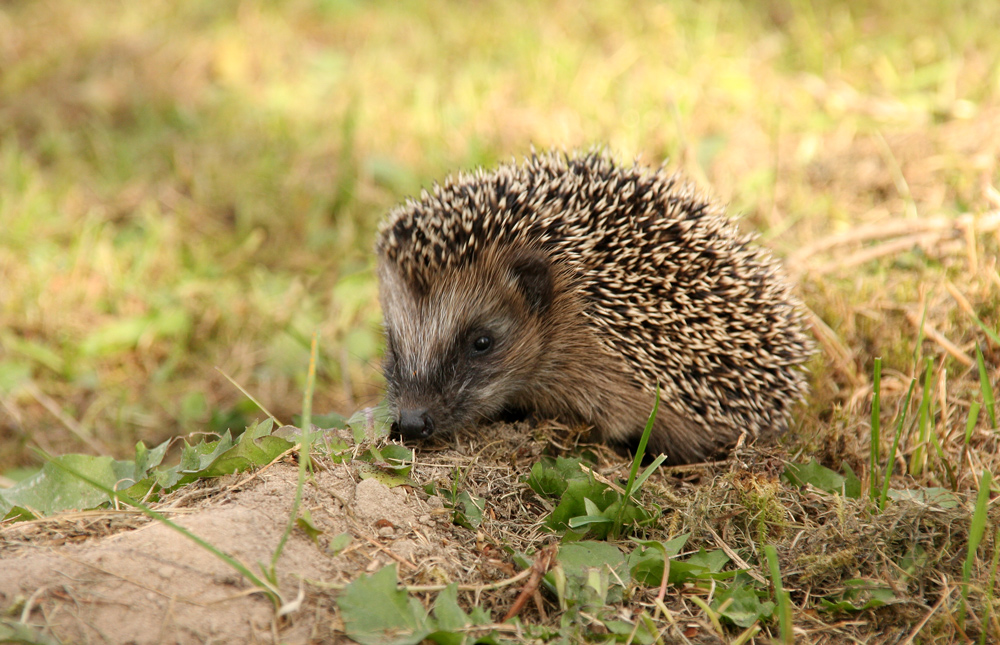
(571, 287)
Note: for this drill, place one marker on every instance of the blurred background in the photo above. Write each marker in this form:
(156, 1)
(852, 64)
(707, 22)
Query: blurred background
(187, 185)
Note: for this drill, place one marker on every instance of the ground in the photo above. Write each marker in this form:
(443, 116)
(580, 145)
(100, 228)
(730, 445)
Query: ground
(189, 192)
(77, 572)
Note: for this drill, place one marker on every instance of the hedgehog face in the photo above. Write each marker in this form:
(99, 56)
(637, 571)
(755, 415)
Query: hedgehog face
(465, 346)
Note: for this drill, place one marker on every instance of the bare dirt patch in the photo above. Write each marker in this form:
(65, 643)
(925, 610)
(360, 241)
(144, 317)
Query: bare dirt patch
(150, 584)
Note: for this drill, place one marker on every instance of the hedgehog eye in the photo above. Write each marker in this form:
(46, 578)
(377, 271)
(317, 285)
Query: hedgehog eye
(482, 345)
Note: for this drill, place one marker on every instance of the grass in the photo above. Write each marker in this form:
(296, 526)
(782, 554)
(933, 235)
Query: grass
(784, 604)
(187, 186)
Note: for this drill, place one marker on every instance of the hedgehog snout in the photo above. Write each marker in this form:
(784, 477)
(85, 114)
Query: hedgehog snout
(413, 423)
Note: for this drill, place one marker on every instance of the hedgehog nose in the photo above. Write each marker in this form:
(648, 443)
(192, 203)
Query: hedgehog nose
(414, 424)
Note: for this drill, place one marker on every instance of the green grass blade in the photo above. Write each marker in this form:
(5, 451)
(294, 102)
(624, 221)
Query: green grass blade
(991, 333)
(260, 405)
(920, 337)
(970, 423)
(636, 461)
(307, 396)
(305, 448)
(952, 478)
(895, 446)
(781, 597)
(988, 618)
(979, 519)
(876, 438)
(976, 530)
(984, 384)
(650, 469)
(924, 413)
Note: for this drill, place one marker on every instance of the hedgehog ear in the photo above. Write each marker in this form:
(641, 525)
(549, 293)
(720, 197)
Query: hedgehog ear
(533, 272)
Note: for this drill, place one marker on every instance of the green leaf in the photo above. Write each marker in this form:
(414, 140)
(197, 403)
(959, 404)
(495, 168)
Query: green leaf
(258, 429)
(816, 475)
(305, 522)
(670, 548)
(640, 451)
(645, 562)
(595, 515)
(859, 595)
(375, 612)
(53, 489)
(741, 605)
(146, 458)
(823, 478)
(200, 456)
(970, 421)
(453, 623)
(15, 514)
(852, 483)
(704, 565)
(371, 423)
(978, 524)
(469, 510)
(14, 374)
(940, 497)
(550, 477)
(387, 477)
(256, 447)
(338, 543)
(578, 557)
(583, 573)
(17, 632)
(713, 561)
(449, 615)
(572, 503)
(924, 425)
(586, 521)
(629, 633)
(398, 459)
